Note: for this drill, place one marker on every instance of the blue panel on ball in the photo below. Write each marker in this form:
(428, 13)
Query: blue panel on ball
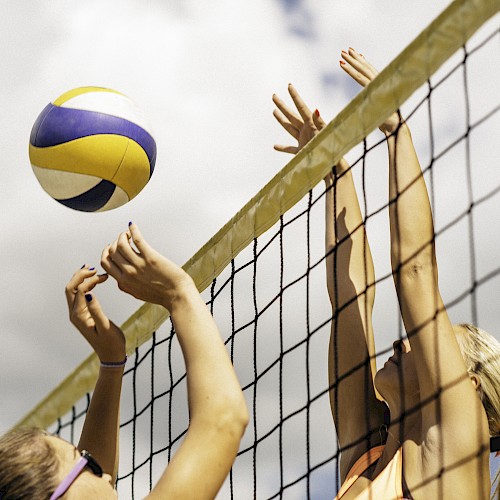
(93, 199)
(57, 125)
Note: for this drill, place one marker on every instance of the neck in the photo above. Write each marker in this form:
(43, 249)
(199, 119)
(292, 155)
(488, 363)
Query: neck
(405, 422)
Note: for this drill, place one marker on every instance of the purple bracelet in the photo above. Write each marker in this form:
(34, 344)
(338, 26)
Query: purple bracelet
(114, 365)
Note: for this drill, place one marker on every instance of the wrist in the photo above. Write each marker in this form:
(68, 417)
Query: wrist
(113, 365)
(182, 294)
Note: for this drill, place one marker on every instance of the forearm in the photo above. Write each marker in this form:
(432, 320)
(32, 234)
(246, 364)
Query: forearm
(350, 272)
(412, 231)
(101, 428)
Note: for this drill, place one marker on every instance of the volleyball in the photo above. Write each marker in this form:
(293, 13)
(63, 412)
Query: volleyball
(92, 149)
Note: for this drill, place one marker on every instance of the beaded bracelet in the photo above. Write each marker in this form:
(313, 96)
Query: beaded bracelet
(114, 365)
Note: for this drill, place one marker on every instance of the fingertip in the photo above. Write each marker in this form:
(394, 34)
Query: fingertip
(88, 297)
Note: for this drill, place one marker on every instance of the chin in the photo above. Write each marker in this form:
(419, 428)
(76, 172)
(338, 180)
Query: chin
(386, 378)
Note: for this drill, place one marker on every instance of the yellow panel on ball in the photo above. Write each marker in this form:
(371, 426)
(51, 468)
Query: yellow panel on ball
(133, 173)
(98, 155)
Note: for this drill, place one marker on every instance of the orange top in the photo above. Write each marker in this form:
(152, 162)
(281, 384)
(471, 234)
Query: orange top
(388, 485)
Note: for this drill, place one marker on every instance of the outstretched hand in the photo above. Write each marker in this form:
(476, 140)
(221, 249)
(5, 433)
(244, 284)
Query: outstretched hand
(355, 65)
(86, 314)
(142, 271)
(302, 127)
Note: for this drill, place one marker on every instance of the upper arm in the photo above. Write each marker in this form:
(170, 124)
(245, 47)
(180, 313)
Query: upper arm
(451, 406)
(357, 412)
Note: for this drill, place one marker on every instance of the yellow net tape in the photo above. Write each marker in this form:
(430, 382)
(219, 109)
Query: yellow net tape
(407, 72)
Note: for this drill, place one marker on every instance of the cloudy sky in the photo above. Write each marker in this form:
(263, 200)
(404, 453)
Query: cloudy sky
(204, 74)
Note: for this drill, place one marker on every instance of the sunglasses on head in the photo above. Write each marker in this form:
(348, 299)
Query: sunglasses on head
(85, 461)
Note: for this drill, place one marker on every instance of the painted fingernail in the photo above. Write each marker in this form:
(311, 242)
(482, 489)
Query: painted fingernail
(92, 269)
(316, 112)
(350, 48)
(342, 62)
(130, 223)
(83, 266)
(88, 297)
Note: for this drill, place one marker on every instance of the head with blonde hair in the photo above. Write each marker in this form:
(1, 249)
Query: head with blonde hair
(29, 466)
(481, 353)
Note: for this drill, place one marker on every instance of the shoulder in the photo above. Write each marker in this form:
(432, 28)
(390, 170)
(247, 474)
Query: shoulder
(440, 466)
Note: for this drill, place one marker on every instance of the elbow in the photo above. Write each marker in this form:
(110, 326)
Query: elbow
(415, 274)
(228, 417)
(410, 266)
(236, 418)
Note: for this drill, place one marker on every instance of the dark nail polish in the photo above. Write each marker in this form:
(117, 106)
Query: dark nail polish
(130, 223)
(83, 266)
(92, 269)
(88, 297)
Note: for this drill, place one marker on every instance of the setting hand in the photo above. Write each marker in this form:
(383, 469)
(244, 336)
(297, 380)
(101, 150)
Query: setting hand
(86, 314)
(144, 273)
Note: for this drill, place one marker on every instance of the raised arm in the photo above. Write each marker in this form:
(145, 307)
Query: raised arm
(454, 427)
(350, 282)
(101, 428)
(218, 414)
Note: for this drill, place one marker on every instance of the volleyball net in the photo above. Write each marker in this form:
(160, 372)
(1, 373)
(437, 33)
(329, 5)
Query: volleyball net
(263, 273)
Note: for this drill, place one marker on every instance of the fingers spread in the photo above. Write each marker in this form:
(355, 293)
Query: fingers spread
(293, 131)
(286, 149)
(293, 118)
(301, 106)
(319, 123)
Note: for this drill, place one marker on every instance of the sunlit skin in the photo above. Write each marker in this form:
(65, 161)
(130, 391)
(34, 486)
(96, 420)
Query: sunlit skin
(398, 376)
(438, 426)
(86, 483)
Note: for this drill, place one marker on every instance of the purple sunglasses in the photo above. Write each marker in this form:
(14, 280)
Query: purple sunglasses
(86, 460)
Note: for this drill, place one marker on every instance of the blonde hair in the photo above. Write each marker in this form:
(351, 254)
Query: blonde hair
(28, 465)
(481, 353)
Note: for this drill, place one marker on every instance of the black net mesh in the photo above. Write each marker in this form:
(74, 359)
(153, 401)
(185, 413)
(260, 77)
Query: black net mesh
(272, 308)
